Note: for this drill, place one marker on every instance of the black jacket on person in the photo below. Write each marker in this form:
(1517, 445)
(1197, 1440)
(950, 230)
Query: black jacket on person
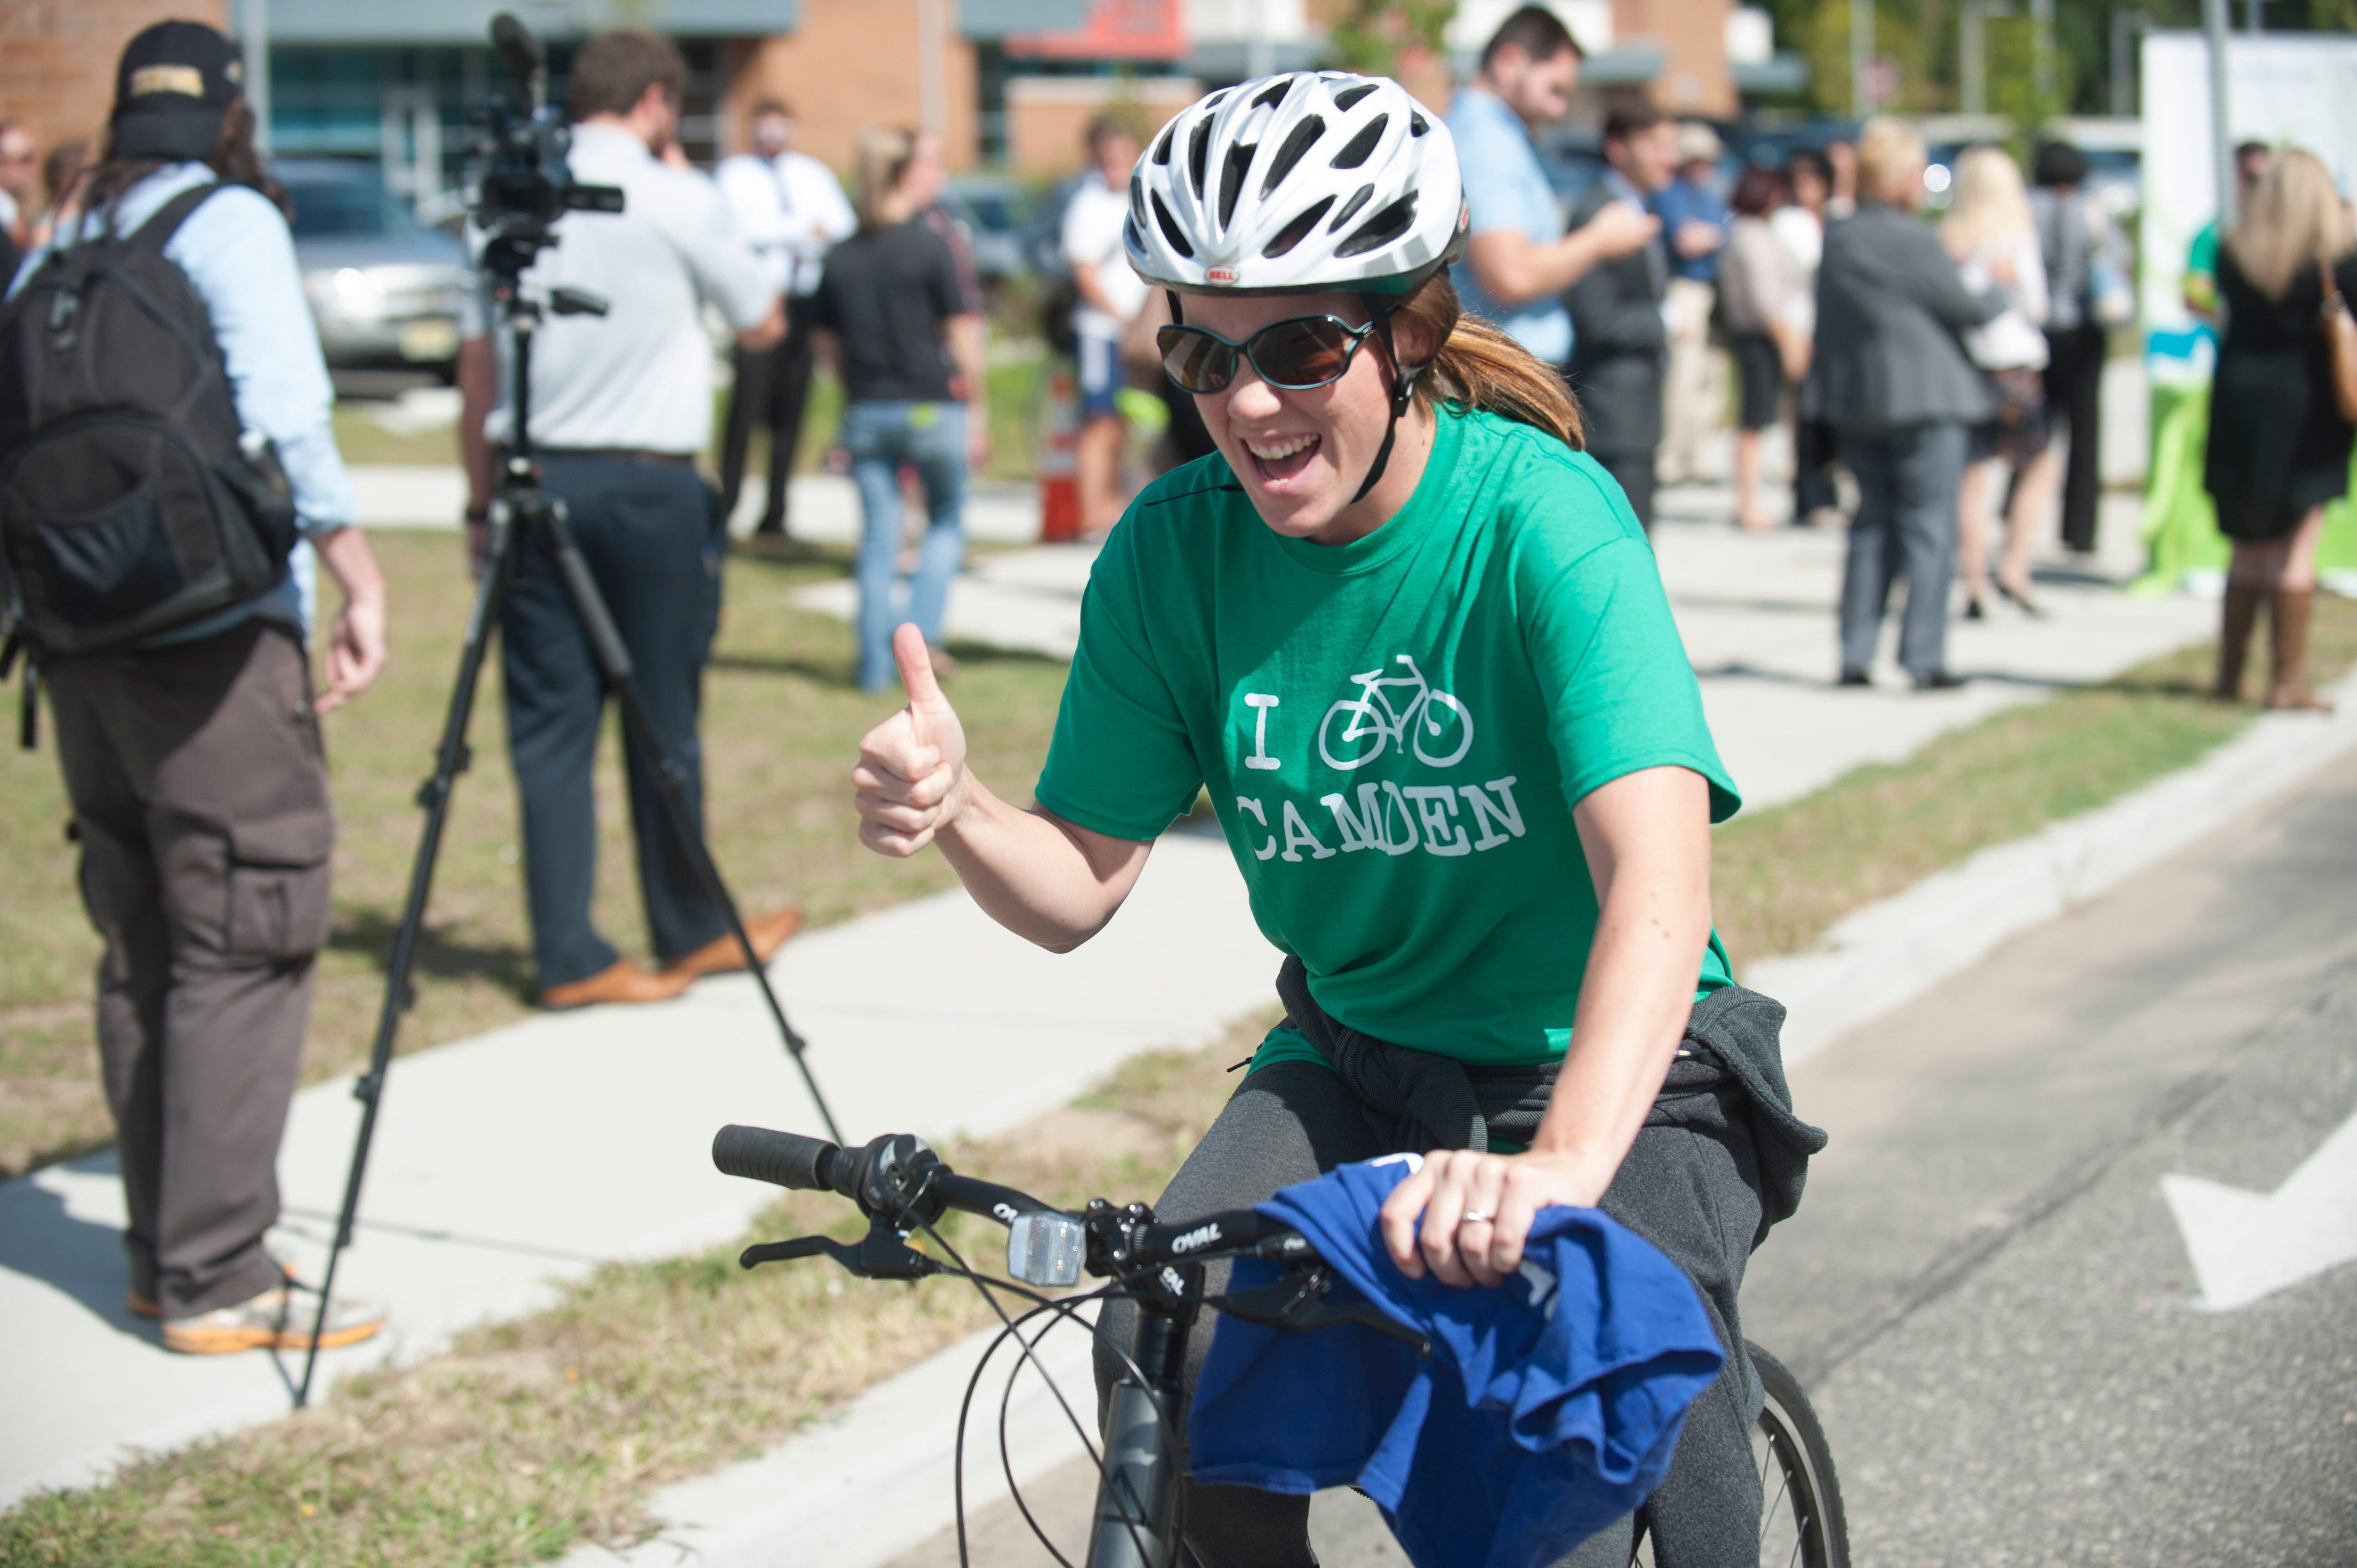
(1620, 343)
(1890, 306)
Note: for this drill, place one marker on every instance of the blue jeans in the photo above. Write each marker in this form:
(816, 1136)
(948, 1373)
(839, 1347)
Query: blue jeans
(930, 438)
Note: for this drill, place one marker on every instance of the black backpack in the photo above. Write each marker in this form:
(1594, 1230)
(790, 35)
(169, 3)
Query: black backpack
(130, 504)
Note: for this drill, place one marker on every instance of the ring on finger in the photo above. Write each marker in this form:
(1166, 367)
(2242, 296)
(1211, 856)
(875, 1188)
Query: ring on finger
(1473, 1217)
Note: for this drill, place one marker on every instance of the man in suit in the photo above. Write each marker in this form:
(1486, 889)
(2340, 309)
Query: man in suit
(1619, 341)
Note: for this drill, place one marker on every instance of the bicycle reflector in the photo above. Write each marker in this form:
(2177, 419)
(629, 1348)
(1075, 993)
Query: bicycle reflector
(1045, 1249)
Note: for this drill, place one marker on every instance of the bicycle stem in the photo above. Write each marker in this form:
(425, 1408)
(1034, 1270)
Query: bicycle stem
(1137, 1511)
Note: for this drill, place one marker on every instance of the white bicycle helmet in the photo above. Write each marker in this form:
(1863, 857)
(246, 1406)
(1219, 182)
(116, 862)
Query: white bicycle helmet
(1310, 181)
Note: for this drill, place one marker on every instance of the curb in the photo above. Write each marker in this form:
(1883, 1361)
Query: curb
(866, 1484)
(1887, 954)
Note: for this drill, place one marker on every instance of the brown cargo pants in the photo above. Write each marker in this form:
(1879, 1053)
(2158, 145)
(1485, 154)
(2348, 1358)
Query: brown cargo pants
(199, 797)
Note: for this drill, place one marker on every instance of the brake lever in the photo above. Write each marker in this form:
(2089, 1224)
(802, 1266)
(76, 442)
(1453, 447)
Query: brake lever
(878, 1255)
(1295, 1303)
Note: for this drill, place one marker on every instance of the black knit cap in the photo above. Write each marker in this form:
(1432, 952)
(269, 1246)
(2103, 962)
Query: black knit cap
(175, 81)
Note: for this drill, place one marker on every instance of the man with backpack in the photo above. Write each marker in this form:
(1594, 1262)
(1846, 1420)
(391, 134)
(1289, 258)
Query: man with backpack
(165, 440)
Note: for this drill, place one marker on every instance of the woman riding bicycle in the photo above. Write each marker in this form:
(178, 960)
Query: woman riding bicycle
(1415, 645)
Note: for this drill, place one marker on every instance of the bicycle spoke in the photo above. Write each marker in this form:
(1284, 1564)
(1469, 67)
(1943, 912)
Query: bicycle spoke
(1767, 1511)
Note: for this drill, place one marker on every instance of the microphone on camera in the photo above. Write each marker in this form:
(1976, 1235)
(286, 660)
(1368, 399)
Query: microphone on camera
(516, 45)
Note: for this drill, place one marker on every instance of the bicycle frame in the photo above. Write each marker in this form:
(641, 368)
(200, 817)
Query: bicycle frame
(1135, 1522)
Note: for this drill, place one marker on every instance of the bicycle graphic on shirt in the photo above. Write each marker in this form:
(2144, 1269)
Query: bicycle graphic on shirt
(1377, 722)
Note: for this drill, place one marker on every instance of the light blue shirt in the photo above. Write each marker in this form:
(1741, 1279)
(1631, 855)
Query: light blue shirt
(1506, 188)
(238, 255)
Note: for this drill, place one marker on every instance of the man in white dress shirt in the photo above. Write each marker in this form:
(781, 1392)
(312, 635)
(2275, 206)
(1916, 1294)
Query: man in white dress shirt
(621, 406)
(788, 206)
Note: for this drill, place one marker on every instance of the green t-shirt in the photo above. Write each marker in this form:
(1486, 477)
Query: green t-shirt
(2202, 257)
(1394, 731)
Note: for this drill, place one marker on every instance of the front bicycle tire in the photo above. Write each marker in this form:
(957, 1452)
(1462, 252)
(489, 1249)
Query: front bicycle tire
(1800, 1519)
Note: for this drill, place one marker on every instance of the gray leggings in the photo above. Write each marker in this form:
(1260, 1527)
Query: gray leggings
(1690, 1185)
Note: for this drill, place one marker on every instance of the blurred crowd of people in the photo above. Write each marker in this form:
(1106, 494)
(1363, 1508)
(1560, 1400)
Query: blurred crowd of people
(39, 191)
(1935, 364)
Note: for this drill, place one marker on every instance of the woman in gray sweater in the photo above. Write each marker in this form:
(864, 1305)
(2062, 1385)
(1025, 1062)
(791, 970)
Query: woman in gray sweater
(1892, 378)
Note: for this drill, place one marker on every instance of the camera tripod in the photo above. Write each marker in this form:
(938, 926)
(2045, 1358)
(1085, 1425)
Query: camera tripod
(525, 516)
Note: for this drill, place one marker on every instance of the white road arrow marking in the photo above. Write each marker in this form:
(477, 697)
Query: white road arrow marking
(2245, 1245)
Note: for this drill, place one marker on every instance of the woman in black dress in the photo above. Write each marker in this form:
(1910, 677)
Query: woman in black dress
(2279, 447)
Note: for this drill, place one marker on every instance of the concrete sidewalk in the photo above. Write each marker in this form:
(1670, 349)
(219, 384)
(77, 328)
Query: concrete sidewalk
(523, 1157)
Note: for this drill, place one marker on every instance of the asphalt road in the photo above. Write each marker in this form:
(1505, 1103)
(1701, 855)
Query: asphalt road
(1987, 1290)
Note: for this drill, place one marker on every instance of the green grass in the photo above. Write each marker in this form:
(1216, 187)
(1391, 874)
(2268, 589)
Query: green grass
(782, 724)
(1781, 876)
(1016, 374)
(530, 1436)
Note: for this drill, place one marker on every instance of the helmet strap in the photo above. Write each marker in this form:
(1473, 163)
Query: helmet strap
(1402, 390)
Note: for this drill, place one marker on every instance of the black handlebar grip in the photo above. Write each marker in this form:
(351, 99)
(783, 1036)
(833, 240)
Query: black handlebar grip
(782, 1159)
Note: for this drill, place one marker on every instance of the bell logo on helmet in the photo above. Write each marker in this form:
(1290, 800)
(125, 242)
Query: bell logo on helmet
(1220, 274)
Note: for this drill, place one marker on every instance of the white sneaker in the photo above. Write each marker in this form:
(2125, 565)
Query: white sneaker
(285, 1319)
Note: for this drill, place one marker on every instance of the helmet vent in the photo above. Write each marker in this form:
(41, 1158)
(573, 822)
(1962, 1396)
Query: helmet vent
(1349, 95)
(1137, 198)
(1356, 150)
(1273, 93)
(1350, 207)
(1382, 229)
(1162, 145)
(1295, 232)
(1415, 126)
(1199, 154)
(1170, 230)
(1297, 142)
(1237, 164)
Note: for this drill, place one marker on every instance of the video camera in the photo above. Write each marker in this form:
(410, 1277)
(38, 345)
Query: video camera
(526, 185)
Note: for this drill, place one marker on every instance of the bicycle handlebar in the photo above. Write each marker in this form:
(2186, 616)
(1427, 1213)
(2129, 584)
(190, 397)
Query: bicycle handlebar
(781, 1159)
(897, 1175)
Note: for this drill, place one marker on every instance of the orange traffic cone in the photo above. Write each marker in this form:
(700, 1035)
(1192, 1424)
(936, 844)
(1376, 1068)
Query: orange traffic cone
(1059, 442)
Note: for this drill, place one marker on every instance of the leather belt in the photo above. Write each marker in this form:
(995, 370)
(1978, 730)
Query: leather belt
(622, 453)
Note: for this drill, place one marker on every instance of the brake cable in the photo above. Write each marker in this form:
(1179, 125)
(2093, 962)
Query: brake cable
(1064, 1308)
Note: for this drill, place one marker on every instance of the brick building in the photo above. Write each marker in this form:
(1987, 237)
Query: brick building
(1005, 82)
(57, 57)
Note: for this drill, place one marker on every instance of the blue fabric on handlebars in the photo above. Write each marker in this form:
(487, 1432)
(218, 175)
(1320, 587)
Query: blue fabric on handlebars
(1548, 1408)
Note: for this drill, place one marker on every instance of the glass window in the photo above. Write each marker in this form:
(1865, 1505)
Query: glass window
(347, 207)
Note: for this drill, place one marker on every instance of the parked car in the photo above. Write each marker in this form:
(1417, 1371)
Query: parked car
(383, 287)
(994, 209)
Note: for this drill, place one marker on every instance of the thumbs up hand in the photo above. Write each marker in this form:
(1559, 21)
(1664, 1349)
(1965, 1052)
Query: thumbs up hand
(911, 779)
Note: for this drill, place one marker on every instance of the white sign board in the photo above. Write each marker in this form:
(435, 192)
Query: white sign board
(2295, 89)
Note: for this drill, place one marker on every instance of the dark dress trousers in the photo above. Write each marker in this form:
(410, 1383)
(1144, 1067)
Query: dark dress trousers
(773, 388)
(1891, 379)
(1619, 351)
(650, 532)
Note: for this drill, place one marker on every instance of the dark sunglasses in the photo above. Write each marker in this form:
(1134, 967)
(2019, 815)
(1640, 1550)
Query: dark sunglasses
(1304, 352)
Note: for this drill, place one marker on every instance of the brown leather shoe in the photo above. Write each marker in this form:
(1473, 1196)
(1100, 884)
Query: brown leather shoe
(621, 980)
(721, 955)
